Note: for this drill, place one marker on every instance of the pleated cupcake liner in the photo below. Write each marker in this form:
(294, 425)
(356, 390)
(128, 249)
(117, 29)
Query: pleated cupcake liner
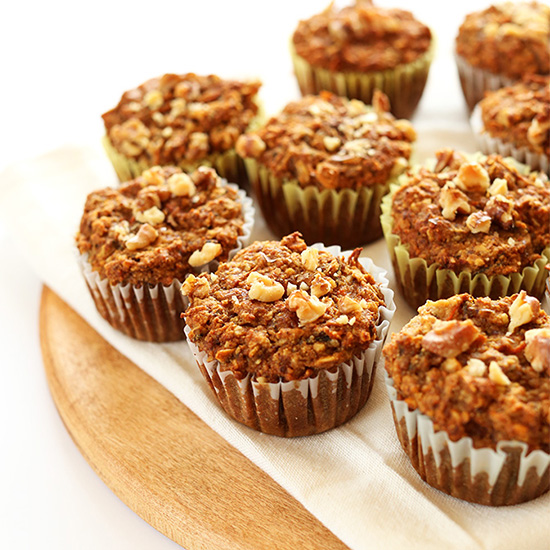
(489, 144)
(475, 82)
(420, 281)
(153, 312)
(345, 217)
(404, 85)
(503, 476)
(303, 407)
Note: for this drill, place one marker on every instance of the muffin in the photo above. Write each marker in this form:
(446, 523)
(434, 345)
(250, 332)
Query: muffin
(137, 244)
(499, 45)
(468, 223)
(360, 48)
(180, 120)
(288, 336)
(515, 121)
(323, 164)
(469, 385)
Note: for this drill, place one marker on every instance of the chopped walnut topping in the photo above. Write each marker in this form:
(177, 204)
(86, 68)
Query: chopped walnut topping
(500, 209)
(498, 187)
(143, 238)
(476, 367)
(153, 216)
(310, 258)
(206, 254)
(451, 365)
(407, 128)
(523, 310)
(478, 222)
(472, 177)
(198, 286)
(452, 201)
(331, 143)
(198, 145)
(131, 137)
(450, 338)
(308, 308)
(153, 99)
(154, 175)
(121, 231)
(181, 185)
(321, 286)
(264, 289)
(537, 350)
(349, 305)
(290, 288)
(250, 145)
(342, 320)
(497, 375)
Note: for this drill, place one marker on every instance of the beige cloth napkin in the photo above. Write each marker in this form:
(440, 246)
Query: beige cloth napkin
(356, 478)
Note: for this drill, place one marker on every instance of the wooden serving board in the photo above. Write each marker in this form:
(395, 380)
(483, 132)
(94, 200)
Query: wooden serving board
(159, 457)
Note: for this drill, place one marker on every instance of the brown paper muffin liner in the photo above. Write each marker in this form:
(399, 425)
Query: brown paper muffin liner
(501, 477)
(403, 85)
(302, 407)
(489, 144)
(153, 312)
(419, 281)
(475, 82)
(345, 217)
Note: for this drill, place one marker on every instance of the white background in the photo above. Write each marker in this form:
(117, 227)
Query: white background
(62, 65)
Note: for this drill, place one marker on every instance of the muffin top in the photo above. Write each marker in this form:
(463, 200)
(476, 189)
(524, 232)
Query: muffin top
(178, 118)
(281, 311)
(332, 142)
(361, 38)
(520, 114)
(160, 226)
(510, 39)
(478, 368)
(482, 214)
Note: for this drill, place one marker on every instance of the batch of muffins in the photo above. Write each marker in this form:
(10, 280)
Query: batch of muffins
(288, 333)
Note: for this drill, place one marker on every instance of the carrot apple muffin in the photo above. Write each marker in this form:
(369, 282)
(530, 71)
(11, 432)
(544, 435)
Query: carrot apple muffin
(139, 242)
(500, 44)
(477, 224)
(359, 48)
(182, 120)
(287, 335)
(470, 393)
(515, 121)
(323, 164)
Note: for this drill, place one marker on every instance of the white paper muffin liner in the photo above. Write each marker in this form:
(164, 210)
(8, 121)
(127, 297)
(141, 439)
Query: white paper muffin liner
(153, 313)
(489, 145)
(475, 82)
(308, 406)
(505, 476)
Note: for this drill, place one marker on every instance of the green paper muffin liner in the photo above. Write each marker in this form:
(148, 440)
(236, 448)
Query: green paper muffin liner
(403, 85)
(420, 281)
(346, 217)
(228, 165)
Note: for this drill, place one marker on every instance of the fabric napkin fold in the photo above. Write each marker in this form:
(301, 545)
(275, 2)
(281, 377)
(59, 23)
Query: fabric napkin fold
(355, 479)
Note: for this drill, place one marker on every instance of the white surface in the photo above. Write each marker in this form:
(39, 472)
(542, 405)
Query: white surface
(63, 64)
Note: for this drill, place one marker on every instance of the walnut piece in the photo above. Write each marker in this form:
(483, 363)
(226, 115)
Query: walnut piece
(196, 286)
(181, 185)
(500, 209)
(153, 216)
(496, 374)
(349, 305)
(537, 350)
(472, 177)
(146, 235)
(321, 286)
(476, 367)
(154, 175)
(308, 308)
(264, 289)
(153, 99)
(498, 187)
(310, 258)
(206, 254)
(250, 146)
(450, 338)
(331, 143)
(522, 311)
(452, 200)
(478, 222)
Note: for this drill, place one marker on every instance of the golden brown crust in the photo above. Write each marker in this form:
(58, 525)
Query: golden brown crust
(479, 216)
(520, 114)
(510, 39)
(147, 230)
(490, 390)
(361, 38)
(281, 311)
(177, 118)
(332, 142)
